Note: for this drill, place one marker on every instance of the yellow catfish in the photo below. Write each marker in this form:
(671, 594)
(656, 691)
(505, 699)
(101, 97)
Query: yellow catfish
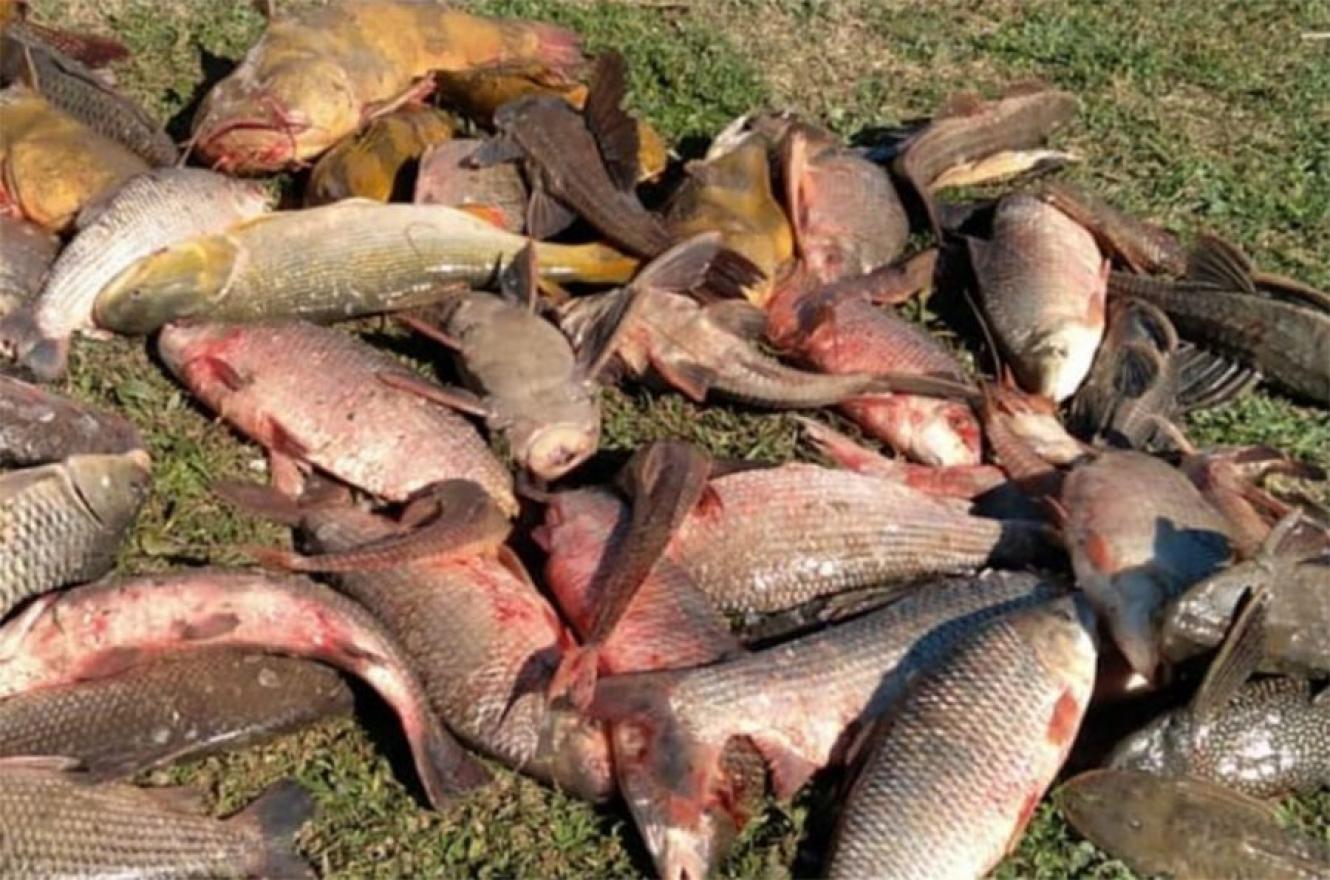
(371, 164)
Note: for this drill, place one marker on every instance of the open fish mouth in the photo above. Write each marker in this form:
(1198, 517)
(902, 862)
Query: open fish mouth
(253, 141)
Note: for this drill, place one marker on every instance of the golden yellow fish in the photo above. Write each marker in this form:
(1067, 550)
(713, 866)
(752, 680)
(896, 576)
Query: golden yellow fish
(370, 164)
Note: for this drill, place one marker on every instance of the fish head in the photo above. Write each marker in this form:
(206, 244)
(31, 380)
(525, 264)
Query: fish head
(1056, 361)
(551, 450)
(1198, 619)
(1117, 810)
(1062, 634)
(296, 111)
(1159, 747)
(186, 347)
(1130, 601)
(113, 487)
(173, 283)
(947, 435)
(579, 755)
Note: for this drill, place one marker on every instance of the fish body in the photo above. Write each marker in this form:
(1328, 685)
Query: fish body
(69, 85)
(26, 255)
(162, 712)
(318, 75)
(1042, 283)
(969, 751)
(100, 630)
(538, 396)
(1139, 533)
(52, 164)
(375, 163)
(478, 94)
(846, 215)
(495, 193)
(149, 212)
(731, 194)
(484, 643)
(1218, 304)
(343, 419)
(38, 426)
(1187, 828)
(63, 523)
(59, 824)
(1141, 245)
(337, 261)
(797, 703)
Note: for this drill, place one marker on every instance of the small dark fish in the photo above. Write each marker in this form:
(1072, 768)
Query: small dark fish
(26, 57)
(967, 754)
(585, 162)
(38, 426)
(166, 711)
(1264, 738)
(59, 824)
(1282, 330)
(1187, 829)
(1142, 246)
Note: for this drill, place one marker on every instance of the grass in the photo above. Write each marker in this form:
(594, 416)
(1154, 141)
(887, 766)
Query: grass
(1200, 116)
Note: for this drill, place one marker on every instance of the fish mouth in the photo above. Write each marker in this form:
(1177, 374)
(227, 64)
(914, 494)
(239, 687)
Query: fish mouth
(555, 450)
(252, 143)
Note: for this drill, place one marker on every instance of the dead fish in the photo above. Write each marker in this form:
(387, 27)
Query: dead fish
(333, 262)
(481, 637)
(668, 624)
(62, 825)
(843, 333)
(1187, 828)
(1042, 286)
(380, 160)
(26, 255)
(91, 49)
(845, 213)
(38, 426)
(63, 523)
(1139, 534)
(968, 128)
(1222, 476)
(1004, 165)
(495, 193)
(776, 538)
(528, 385)
(51, 164)
(100, 630)
(968, 753)
(342, 419)
(149, 212)
(1281, 330)
(478, 94)
(26, 57)
(176, 708)
(318, 75)
(1141, 245)
(798, 703)
(731, 194)
(581, 162)
(1264, 738)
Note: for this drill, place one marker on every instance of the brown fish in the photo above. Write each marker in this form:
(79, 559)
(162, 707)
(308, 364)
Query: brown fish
(38, 426)
(342, 420)
(1142, 246)
(100, 630)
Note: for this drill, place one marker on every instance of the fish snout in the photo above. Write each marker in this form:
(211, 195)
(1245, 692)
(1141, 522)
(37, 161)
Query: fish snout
(1060, 360)
(554, 450)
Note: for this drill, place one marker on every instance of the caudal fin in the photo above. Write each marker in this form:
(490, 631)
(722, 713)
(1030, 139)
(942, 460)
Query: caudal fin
(278, 814)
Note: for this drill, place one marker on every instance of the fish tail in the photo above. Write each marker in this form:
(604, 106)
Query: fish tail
(278, 814)
(451, 770)
(21, 338)
(587, 263)
(576, 676)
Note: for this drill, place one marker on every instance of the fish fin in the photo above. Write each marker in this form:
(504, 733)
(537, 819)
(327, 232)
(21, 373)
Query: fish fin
(1218, 262)
(546, 216)
(1237, 657)
(509, 559)
(601, 341)
(89, 49)
(287, 474)
(966, 103)
(455, 771)
(455, 398)
(614, 129)
(47, 359)
(700, 264)
(430, 331)
(51, 763)
(790, 771)
(575, 678)
(693, 379)
(261, 500)
(494, 151)
(283, 440)
(519, 282)
(794, 156)
(1138, 369)
(634, 695)
(276, 558)
(1207, 379)
(184, 799)
(923, 384)
(843, 450)
(218, 370)
(1291, 291)
(278, 814)
(740, 317)
(17, 626)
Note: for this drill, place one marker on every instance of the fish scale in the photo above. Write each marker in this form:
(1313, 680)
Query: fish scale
(51, 535)
(784, 536)
(171, 709)
(969, 751)
(348, 422)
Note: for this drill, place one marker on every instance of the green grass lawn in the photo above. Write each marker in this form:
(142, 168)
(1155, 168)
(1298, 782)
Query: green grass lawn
(1202, 116)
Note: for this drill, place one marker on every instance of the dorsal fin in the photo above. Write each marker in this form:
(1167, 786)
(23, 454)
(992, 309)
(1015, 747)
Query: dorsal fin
(1217, 262)
(614, 129)
(1237, 657)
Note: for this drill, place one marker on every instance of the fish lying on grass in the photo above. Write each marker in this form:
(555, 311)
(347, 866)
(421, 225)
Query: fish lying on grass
(350, 258)
(348, 423)
(103, 629)
(38, 426)
(59, 824)
(165, 711)
(149, 212)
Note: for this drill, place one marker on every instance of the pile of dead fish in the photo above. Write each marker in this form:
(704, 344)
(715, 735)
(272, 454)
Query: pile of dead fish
(930, 626)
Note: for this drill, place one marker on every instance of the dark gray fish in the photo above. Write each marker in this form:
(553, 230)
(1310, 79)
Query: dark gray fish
(59, 824)
(172, 709)
(38, 426)
(26, 254)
